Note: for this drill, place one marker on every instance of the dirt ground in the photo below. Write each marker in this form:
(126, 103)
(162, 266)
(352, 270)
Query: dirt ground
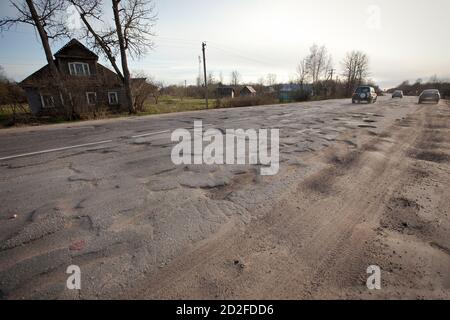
(380, 199)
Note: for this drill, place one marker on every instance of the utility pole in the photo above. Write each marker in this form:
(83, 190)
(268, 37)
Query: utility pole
(204, 70)
(332, 74)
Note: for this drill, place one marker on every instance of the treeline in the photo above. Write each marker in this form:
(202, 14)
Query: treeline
(316, 77)
(328, 81)
(418, 86)
(12, 99)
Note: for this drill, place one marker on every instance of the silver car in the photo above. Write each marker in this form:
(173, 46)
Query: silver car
(397, 94)
(432, 95)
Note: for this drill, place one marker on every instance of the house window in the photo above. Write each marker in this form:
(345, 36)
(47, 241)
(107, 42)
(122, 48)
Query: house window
(47, 101)
(79, 69)
(91, 98)
(113, 98)
(63, 101)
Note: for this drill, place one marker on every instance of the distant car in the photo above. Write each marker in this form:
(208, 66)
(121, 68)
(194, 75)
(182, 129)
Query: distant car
(432, 95)
(364, 93)
(397, 94)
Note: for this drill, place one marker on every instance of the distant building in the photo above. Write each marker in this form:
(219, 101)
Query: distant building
(289, 92)
(271, 90)
(88, 82)
(226, 92)
(247, 91)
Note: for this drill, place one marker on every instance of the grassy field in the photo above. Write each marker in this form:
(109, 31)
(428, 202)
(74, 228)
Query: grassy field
(167, 104)
(24, 118)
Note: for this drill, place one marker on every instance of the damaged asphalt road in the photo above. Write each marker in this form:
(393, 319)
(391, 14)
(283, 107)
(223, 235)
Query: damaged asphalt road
(358, 185)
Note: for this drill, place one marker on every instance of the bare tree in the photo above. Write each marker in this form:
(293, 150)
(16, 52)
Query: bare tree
(302, 71)
(143, 87)
(48, 18)
(317, 61)
(101, 41)
(271, 79)
(261, 81)
(355, 69)
(328, 67)
(434, 79)
(211, 78)
(198, 81)
(129, 36)
(158, 87)
(235, 78)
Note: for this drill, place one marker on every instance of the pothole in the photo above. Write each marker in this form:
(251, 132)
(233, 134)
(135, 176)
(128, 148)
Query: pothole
(431, 156)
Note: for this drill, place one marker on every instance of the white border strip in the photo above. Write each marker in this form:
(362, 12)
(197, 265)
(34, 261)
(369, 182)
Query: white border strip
(55, 150)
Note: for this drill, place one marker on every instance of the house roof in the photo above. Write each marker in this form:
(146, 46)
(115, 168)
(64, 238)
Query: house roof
(74, 43)
(42, 73)
(45, 74)
(138, 80)
(250, 89)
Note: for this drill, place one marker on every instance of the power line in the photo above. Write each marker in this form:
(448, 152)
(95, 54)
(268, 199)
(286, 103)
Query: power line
(178, 39)
(225, 48)
(237, 55)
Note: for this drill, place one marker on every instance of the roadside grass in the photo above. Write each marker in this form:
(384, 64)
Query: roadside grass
(23, 117)
(7, 115)
(168, 104)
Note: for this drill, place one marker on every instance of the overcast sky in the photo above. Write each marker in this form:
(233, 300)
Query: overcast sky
(404, 39)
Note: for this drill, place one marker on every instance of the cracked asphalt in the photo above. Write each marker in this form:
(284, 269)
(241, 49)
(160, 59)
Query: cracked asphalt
(117, 206)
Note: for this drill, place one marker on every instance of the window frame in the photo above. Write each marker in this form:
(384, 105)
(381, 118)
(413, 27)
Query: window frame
(44, 105)
(87, 98)
(109, 98)
(84, 66)
(63, 100)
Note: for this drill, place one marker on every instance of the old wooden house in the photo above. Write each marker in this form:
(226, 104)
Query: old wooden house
(226, 92)
(88, 83)
(247, 91)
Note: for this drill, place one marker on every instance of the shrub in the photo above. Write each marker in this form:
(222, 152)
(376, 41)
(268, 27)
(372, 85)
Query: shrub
(246, 101)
